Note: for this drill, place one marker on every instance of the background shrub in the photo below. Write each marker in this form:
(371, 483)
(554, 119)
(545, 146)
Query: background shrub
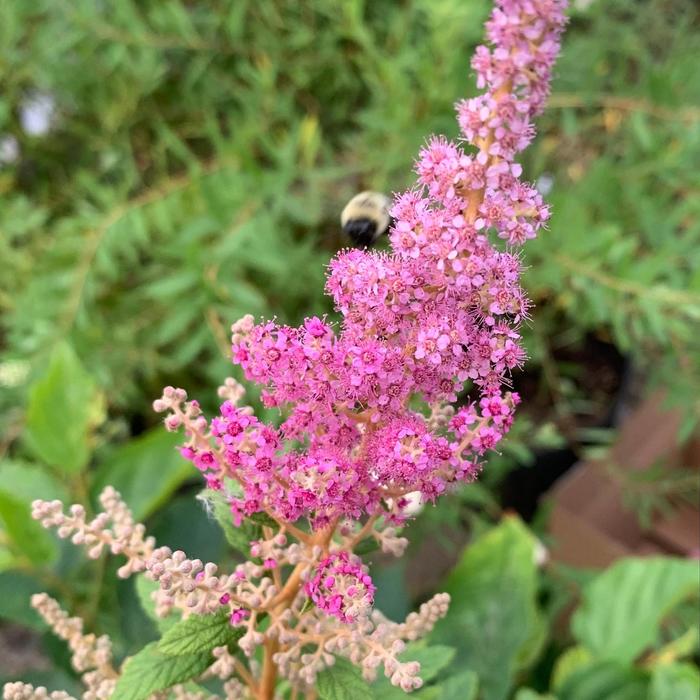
(166, 167)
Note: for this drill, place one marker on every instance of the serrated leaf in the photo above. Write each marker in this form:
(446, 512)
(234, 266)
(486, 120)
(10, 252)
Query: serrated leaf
(64, 406)
(199, 633)
(492, 585)
(150, 671)
(622, 608)
(146, 471)
(342, 681)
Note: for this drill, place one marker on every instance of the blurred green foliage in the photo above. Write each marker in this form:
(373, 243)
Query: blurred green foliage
(501, 622)
(619, 143)
(166, 167)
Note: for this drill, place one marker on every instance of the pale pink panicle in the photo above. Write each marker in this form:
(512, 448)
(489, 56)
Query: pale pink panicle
(113, 529)
(342, 587)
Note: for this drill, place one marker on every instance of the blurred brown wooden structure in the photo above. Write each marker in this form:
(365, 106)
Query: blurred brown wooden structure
(589, 524)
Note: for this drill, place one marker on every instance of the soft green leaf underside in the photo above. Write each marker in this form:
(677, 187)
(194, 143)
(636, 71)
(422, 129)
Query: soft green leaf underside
(493, 586)
(623, 607)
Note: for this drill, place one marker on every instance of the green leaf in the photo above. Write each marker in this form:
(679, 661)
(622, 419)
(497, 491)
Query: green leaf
(29, 481)
(686, 644)
(28, 536)
(238, 537)
(199, 633)
(144, 590)
(492, 586)
(263, 519)
(676, 681)
(432, 659)
(64, 407)
(535, 643)
(568, 663)
(367, 546)
(463, 686)
(16, 589)
(342, 681)
(150, 671)
(146, 471)
(432, 692)
(604, 680)
(529, 694)
(7, 559)
(623, 607)
(20, 484)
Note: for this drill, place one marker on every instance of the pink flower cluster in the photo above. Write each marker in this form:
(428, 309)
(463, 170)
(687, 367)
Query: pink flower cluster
(435, 316)
(341, 587)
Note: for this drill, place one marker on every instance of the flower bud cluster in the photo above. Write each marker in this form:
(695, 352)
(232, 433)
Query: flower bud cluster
(371, 642)
(114, 529)
(186, 584)
(339, 621)
(224, 665)
(90, 655)
(25, 691)
(420, 623)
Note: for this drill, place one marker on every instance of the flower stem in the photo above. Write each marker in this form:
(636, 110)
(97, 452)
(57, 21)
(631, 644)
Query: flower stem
(268, 681)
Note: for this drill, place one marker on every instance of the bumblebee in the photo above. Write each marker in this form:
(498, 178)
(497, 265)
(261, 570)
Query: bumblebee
(366, 218)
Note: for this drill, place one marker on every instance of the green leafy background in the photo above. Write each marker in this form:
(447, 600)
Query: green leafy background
(192, 169)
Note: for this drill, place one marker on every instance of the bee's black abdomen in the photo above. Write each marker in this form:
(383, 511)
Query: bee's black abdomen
(362, 232)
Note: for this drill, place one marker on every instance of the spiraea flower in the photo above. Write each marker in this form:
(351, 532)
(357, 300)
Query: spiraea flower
(370, 409)
(388, 410)
(443, 307)
(342, 587)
